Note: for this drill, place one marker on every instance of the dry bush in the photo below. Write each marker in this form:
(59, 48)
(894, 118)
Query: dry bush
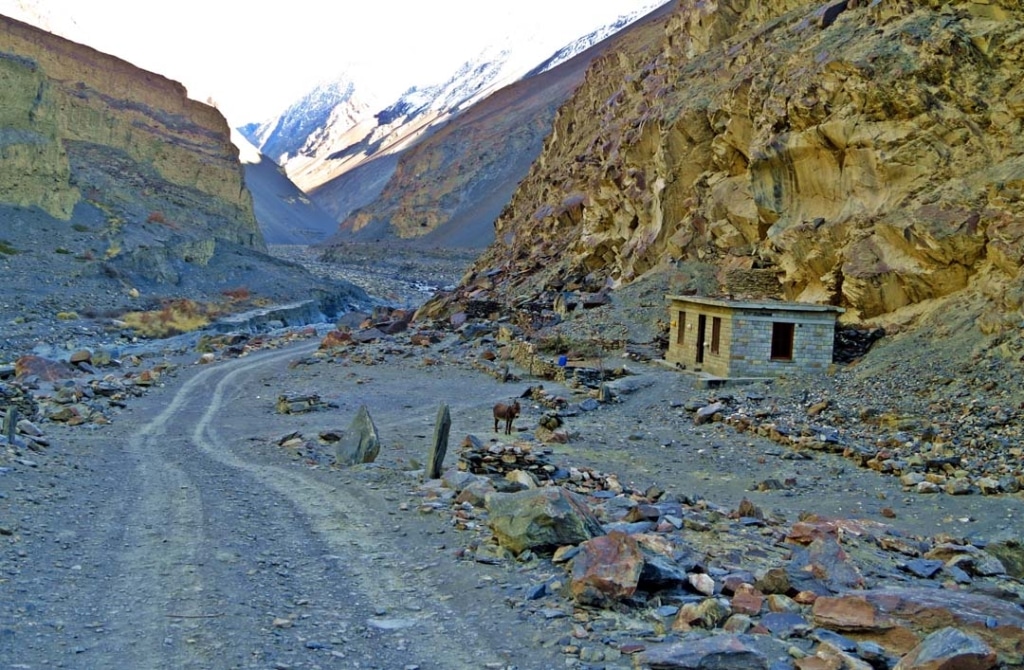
(173, 318)
(156, 216)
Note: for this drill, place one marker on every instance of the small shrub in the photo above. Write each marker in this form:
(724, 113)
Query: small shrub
(80, 228)
(156, 217)
(172, 318)
(6, 248)
(62, 250)
(67, 316)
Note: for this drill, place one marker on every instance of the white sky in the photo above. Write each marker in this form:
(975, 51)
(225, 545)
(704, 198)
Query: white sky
(255, 58)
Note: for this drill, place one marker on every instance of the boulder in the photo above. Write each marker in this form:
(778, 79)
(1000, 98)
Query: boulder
(541, 519)
(707, 413)
(824, 564)
(336, 338)
(949, 649)
(361, 443)
(606, 570)
(718, 652)
(80, 356)
(851, 613)
(44, 369)
(896, 618)
(1010, 553)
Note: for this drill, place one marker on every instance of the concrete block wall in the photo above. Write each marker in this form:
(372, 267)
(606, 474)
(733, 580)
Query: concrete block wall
(745, 344)
(752, 345)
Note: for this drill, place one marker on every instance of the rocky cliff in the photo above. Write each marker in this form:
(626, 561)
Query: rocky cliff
(118, 193)
(868, 155)
(72, 119)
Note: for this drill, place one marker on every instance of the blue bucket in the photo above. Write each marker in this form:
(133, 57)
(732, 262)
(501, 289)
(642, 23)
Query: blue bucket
(563, 361)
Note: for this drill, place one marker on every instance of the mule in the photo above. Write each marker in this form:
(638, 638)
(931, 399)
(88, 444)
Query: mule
(506, 412)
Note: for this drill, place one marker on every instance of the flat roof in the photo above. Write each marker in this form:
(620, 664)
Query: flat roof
(767, 305)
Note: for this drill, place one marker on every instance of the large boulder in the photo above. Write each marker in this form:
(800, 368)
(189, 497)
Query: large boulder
(897, 618)
(607, 569)
(542, 519)
(949, 649)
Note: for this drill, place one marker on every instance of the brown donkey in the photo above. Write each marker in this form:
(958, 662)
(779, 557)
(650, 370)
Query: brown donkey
(506, 412)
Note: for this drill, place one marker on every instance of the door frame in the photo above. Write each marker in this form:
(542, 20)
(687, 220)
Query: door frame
(702, 323)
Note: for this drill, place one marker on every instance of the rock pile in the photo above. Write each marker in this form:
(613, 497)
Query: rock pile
(953, 447)
(682, 583)
(528, 465)
(80, 391)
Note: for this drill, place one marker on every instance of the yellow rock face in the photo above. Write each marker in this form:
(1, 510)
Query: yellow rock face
(872, 156)
(56, 92)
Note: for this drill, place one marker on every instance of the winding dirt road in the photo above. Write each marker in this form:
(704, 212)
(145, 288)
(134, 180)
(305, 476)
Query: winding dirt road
(169, 540)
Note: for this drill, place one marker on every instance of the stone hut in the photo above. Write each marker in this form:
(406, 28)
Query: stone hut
(732, 339)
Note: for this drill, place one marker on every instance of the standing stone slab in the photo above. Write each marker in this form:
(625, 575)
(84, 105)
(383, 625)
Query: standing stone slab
(441, 429)
(10, 423)
(361, 443)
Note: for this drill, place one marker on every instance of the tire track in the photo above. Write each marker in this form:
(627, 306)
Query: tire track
(334, 514)
(160, 580)
(171, 530)
(196, 542)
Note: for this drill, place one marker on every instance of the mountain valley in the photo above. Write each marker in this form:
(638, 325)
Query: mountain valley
(184, 494)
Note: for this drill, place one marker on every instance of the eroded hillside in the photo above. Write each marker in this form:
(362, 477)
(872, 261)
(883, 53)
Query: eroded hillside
(865, 156)
(117, 192)
(62, 99)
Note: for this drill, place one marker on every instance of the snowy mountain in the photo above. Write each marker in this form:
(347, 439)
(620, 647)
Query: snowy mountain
(329, 107)
(447, 189)
(331, 131)
(589, 40)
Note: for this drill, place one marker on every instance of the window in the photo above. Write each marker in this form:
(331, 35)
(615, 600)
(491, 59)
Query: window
(716, 333)
(681, 333)
(782, 341)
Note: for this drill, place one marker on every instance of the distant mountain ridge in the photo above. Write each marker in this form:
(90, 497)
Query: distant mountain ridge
(331, 131)
(330, 106)
(448, 189)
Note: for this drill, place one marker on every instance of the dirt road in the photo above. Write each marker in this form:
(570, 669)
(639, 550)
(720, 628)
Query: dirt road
(169, 540)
